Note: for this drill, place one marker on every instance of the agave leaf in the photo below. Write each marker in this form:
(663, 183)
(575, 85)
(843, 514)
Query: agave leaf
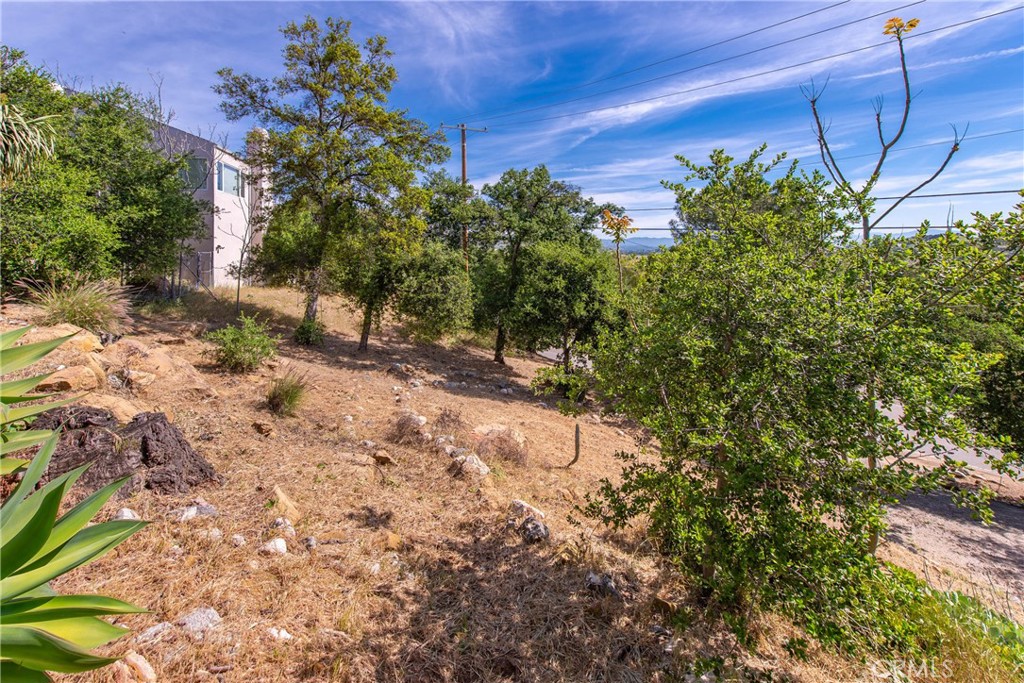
(29, 480)
(22, 439)
(85, 632)
(77, 517)
(9, 671)
(28, 526)
(87, 545)
(63, 607)
(31, 411)
(11, 465)
(14, 391)
(8, 338)
(18, 357)
(36, 649)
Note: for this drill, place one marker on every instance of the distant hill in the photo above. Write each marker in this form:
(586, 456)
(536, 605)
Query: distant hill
(640, 245)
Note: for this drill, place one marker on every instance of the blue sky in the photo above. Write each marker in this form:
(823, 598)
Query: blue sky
(484, 63)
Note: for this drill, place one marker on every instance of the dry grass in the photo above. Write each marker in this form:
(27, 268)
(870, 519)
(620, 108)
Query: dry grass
(416, 577)
(286, 393)
(405, 429)
(504, 445)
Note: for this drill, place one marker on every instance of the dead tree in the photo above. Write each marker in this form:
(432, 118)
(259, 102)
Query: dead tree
(861, 198)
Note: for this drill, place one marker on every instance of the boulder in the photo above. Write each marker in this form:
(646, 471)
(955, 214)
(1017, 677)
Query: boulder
(83, 341)
(533, 530)
(468, 466)
(75, 378)
(200, 621)
(122, 409)
(285, 506)
(484, 431)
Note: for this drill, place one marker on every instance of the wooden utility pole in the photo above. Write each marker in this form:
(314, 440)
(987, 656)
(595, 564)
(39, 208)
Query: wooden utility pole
(465, 229)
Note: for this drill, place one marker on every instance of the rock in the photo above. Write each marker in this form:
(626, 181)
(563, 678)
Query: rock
(420, 420)
(184, 514)
(213, 534)
(149, 450)
(284, 527)
(154, 633)
(76, 378)
(309, 542)
(83, 341)
(415, 383)
(132, 354)
(523, 508)
(602, 584)
(382, 457)
(366, 443)
(237, 540)
(125, 514)
(506, 391)
(122, 409)
(468, 465)
(285, 506)
(204, 509)
(275, 546)
(533, 531)
(455, 452)
(346, 418)
(200, 621)
(263, 428)
(442, 441)
(142, 669)
(279, 633)
(484, 431)
(665, 606)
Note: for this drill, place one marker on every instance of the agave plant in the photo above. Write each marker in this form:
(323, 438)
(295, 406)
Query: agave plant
(40, 630)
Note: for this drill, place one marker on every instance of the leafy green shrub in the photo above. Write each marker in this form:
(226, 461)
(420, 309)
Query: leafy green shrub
(41, 630)
(571, 386)
(243, 348)
(309, 333)
(286, 393)
(96, 305)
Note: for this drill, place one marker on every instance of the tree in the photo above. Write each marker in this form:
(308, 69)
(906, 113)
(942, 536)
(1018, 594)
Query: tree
(106, 187)
(751, 353)
(617, 227)
(862, 199)
(564, 296)
(453, 207)
(529, 208)
(332, 147)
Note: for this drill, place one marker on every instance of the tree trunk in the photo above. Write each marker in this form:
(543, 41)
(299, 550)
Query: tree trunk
(364, 339)
(499, 345)
(238, 295)
(312, 296)
(618, 262)
(566, 361)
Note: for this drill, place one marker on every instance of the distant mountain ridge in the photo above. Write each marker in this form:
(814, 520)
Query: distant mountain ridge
(639, 245)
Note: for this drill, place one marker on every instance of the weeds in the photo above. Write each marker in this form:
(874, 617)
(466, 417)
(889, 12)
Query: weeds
(504, 445)
(96, 305)
(286, 393)
(449, 422)
(309, 333)
(243, 348)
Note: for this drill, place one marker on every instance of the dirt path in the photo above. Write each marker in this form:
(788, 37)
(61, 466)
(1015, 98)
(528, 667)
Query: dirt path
(952, 551)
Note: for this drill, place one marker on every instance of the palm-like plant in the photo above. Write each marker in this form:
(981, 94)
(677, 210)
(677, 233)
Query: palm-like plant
(40, 630)
(23, 142)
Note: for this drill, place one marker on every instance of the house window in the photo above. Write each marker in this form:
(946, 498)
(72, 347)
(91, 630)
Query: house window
(229, 180)
(195, 173)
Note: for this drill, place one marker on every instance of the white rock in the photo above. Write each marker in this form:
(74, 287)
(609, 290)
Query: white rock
(125, 513)
(237, 540)
(154, 633)
(366, 443)
(200, 621)
(142, 669)
(524, 509)
(279, 633)
(285, 527)
(185, 514)
(347, 418)
(469, 465)
(275, 546)
(213, 534)
(420, 420)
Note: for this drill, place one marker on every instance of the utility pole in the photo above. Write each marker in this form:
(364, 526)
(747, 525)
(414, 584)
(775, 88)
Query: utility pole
(465, 229)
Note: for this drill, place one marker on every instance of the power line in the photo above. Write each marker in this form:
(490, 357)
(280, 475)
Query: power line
(851, 156)
(759, 74)
(667, 59)
(699, 66)
(916, 196)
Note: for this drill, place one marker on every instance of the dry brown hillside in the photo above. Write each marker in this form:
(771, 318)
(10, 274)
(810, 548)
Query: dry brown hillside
(416, 575)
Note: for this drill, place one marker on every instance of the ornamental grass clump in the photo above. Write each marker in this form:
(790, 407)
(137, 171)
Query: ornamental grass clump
(286, 393)
(96, 305)
(242, 348)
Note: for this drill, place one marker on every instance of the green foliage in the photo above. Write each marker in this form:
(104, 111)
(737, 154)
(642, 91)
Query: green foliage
(107, 202)
(333, 149)
(40, 630)
(529, 207)
(788, 372)
(242, 348)
(96, 305)
(309, 333)
(286, 393)
(23, 142)
(434, 297)
(571, 387)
